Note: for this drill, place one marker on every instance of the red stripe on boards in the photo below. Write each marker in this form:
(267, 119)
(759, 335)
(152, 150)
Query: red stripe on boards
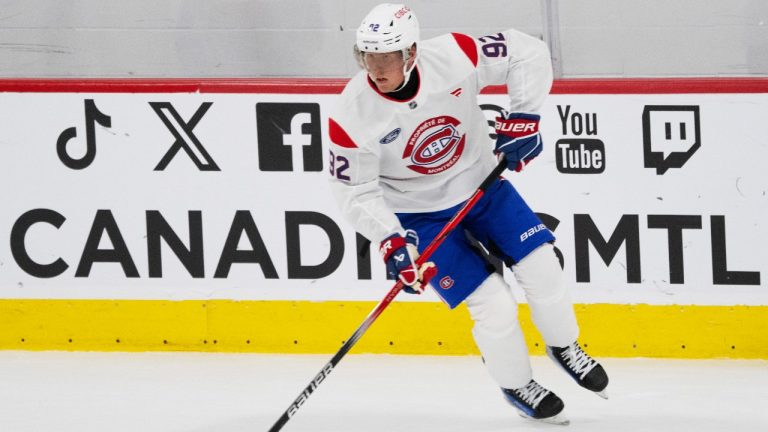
(336, 85)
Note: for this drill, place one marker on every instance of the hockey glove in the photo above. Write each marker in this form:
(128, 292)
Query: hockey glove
(518, 137)
(400, 254)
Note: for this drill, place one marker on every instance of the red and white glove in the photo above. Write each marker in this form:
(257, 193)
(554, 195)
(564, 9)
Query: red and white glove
(518, 137)
(400, 254)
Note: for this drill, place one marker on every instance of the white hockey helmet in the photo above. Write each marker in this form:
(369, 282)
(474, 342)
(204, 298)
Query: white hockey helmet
(388, 28)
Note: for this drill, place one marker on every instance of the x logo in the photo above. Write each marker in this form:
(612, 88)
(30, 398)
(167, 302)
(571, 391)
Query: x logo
(185, 138)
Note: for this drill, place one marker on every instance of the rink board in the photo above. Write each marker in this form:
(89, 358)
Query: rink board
(174, 215)
(404, 328)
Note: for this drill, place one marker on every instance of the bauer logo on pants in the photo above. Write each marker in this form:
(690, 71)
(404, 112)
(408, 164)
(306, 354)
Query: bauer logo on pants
(289, 136)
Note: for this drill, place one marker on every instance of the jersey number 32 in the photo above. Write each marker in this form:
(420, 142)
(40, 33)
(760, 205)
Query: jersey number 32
(338, 170)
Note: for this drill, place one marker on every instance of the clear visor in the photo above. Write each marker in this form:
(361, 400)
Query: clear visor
(383, 62)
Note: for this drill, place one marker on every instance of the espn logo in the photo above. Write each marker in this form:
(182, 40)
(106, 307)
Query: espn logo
(289, 136)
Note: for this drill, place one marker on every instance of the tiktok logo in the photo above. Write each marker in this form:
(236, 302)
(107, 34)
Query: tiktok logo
(92, 117)
(289, 136)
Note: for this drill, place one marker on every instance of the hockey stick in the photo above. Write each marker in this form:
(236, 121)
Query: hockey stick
(424, 257)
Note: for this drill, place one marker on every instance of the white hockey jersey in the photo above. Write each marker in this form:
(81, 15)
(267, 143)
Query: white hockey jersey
(430, 152)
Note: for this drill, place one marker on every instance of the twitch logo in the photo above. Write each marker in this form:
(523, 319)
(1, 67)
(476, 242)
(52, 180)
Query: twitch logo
(671, 135)
(289, 136)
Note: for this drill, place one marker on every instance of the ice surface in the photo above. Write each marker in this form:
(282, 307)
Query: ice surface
(196, 392)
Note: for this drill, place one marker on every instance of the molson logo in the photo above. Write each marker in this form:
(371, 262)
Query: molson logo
(435, 145)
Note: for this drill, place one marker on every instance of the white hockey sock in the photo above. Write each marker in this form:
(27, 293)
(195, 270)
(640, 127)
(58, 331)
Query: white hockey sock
(540, 276)
(497, 333)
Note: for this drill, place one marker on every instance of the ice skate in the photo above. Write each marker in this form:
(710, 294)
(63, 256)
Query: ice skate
(537, 403)
(587, 372)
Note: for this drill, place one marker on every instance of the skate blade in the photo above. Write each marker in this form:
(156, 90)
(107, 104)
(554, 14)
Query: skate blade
(603, 394)
(558, 419)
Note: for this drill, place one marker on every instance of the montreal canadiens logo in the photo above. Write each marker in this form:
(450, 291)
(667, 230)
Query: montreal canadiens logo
(435, 145)
(446, 282)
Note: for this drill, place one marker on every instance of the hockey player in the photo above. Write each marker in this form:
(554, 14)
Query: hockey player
(409, 144)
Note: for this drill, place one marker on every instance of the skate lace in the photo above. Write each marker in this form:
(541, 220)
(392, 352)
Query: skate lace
(577, 360)
(532, 393)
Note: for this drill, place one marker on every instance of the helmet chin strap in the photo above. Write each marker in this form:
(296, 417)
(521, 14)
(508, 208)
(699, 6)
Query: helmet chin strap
(407, 70)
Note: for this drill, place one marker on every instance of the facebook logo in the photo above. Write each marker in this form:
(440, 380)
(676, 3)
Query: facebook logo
(289, 136)
(671, 135)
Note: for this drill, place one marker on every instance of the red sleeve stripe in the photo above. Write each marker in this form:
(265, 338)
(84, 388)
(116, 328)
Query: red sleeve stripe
(467, 44)
(339, 135)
